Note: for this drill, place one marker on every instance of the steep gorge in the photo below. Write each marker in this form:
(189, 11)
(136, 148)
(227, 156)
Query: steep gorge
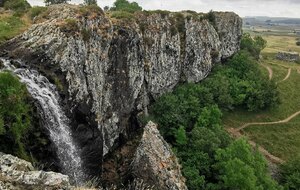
(111, 69)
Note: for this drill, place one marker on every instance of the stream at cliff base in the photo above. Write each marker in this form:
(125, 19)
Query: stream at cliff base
(54, 118)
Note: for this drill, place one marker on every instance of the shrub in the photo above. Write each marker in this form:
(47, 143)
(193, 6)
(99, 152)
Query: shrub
(20, 6)
(290, 174)
(298, 43)
(15, 117)
(36, 11)
(90, 9)
(69, 26)
(86, 34)
(210, 16)
(122, 15)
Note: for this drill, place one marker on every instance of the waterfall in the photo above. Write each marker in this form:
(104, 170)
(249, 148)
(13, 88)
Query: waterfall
(55, 119)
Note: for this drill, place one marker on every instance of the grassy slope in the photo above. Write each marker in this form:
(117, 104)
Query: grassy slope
(11, 25)
(282, 140)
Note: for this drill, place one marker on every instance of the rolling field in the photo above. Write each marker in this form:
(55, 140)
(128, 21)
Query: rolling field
(281, 136)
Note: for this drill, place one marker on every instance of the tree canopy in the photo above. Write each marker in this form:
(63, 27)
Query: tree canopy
(124, 5)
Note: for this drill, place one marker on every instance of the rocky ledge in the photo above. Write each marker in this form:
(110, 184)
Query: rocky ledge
(155, 163)
(17, 174)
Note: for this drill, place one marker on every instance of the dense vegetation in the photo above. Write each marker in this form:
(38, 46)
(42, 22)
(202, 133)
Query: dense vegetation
(15, 119)
(124, 5)
(190, 119)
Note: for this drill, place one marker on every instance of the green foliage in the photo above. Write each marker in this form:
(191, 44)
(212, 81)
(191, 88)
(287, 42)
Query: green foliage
(122, 15)
(190, 119)
(10, 26)
(14, 115)
(126, 6)
(86, 34)
(242, 168)
(290, 174)
(69, 26)
(210, 16)
(36, 11)
(90, 9)
(51, 2)
(90, 2)
(253, 45)
(19, 6)
(298, 43)
(181, 138)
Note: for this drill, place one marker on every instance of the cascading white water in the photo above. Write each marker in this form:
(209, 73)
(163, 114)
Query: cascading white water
(55, 119)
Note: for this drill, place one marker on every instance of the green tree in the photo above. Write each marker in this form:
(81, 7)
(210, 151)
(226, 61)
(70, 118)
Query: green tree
(124, 5)
(180, 136)
(242, 168)
(290, 174)
(90, 2)
(51, 2)
(253, 45)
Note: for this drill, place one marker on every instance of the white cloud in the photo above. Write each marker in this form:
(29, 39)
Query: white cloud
(286, 8)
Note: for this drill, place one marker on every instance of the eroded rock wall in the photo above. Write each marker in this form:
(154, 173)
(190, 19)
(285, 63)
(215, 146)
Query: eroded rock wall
(113, 69)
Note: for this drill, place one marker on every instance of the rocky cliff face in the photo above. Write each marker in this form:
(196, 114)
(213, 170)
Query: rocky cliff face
(111, 69)
(155, 163)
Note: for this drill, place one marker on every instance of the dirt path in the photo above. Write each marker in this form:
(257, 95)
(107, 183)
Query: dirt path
(269, 70)
(237, 134)
(270, 157)
(269, 123)
(288, 75)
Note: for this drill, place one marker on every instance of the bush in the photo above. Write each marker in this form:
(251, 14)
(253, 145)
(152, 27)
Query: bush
(90, 9)
(122, 15)
(69, 26)
(15, 118)
(290, 174)
(298, 43)
(20, 6)
(36, 11)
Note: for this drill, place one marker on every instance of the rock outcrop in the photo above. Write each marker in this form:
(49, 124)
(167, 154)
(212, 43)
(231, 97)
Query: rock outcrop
(113, 68)
(155, 162)
(17, 174)
(288, 56)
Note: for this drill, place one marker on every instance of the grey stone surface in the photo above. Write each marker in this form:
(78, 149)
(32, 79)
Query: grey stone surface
(118, 68)
(18, 174)
(155, 162)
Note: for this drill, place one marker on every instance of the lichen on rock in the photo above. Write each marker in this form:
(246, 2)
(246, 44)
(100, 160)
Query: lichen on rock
(115, 70)
(18, 174)
(155, 163)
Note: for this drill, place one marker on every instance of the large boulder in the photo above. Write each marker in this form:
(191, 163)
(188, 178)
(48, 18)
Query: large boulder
(155, 163)
(18, 174)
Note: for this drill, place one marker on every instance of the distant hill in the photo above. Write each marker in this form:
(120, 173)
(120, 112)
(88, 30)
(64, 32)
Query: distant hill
(263, 20)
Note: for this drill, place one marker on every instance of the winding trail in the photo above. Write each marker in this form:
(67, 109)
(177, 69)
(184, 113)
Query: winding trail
(274, 159)
(269, 70)
(288, 75)
(236, 132)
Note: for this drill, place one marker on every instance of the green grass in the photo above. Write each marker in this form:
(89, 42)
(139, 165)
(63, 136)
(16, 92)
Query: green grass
(10, 27)
(282, 140)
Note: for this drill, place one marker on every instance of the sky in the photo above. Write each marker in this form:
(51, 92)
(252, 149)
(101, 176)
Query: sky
(273, 8)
